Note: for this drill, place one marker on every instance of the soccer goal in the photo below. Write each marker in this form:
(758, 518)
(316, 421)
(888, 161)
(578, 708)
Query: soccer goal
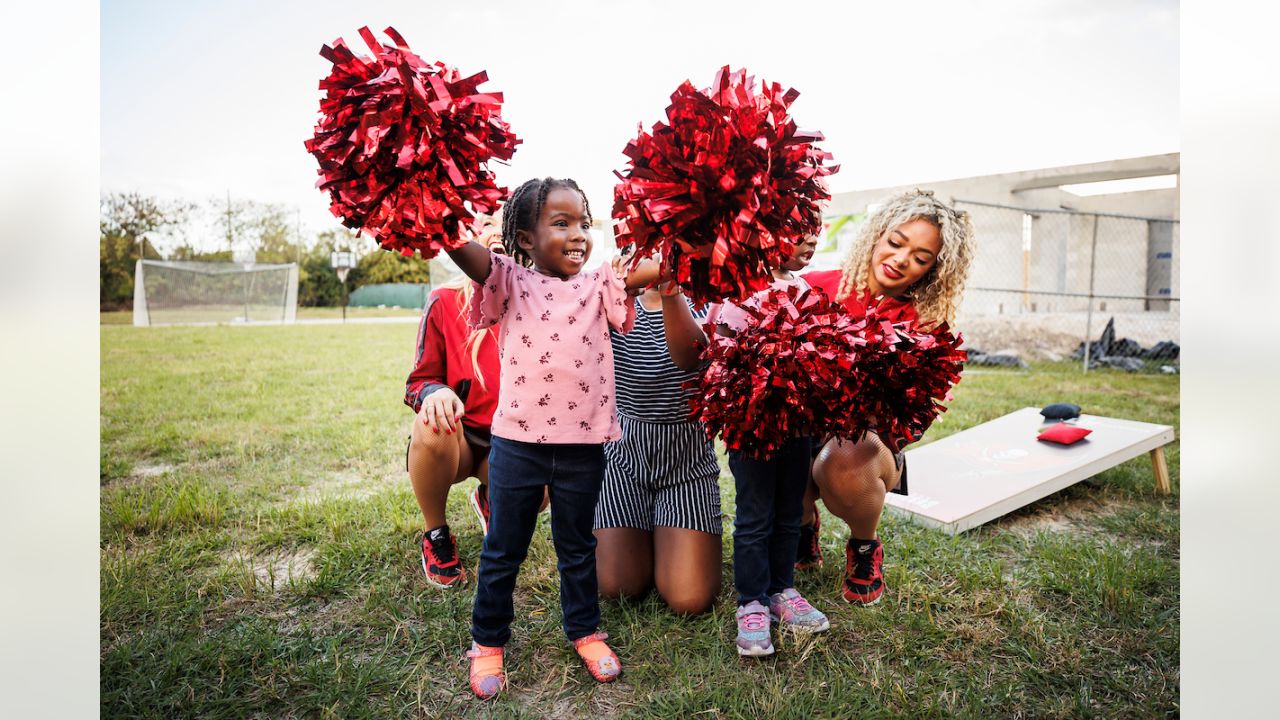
(172, 292)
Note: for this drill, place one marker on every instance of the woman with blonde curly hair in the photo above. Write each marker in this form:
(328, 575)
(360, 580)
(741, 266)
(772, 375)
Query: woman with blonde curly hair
(912, 257)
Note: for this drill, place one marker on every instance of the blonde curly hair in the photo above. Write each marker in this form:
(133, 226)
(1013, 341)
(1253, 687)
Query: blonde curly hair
(486, 229)
(937, 294)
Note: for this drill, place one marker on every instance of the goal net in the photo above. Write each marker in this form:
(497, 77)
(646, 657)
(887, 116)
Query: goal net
(172, 292)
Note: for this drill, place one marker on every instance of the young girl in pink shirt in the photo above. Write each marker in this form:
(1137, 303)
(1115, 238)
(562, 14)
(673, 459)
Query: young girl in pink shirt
(556, 410)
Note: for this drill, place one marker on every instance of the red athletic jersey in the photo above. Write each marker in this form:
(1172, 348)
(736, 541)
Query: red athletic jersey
(443, 358)
(891, 308)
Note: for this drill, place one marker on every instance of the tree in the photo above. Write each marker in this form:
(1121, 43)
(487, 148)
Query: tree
(318, 283)
(381, 266)
(126, 224)
(259, 230)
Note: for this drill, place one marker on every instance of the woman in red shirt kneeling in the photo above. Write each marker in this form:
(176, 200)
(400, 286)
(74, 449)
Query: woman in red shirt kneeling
(912, 256)
(453, 388)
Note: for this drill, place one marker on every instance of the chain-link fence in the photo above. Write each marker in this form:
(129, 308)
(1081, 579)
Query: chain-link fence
(1096, 288)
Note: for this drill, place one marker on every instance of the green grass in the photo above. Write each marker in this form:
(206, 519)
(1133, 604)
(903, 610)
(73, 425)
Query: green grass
(258, 559)
(125, 317)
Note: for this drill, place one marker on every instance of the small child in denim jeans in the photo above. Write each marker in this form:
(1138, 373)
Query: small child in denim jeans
(556, 410)
(769, 500)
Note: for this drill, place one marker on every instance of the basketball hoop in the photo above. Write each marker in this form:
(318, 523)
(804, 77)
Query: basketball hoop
(342, 261)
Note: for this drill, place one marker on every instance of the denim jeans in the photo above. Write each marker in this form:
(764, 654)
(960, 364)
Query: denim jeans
(766, 527)
(518, 471)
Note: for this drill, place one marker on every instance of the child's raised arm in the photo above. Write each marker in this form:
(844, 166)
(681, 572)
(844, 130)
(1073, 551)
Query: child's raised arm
(685, 339)
(474, 260)
(645, 272)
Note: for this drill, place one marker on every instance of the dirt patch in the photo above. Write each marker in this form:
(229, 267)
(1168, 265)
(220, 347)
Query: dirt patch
(347, 485)
(150, 471)
(1061, 515)
(138, 474)
(275, 571)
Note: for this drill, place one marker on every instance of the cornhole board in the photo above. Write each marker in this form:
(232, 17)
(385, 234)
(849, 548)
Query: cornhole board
(977, 475)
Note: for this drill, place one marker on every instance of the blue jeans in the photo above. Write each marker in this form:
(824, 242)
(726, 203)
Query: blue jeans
(518, 471)
(766, 527)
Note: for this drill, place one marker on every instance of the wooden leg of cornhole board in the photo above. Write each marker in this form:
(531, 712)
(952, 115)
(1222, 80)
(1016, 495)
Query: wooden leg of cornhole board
(1161, 470)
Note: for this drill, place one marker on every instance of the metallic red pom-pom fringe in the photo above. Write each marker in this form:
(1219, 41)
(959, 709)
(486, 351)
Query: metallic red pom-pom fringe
(803, 366)
(724, 189)
(403, 145)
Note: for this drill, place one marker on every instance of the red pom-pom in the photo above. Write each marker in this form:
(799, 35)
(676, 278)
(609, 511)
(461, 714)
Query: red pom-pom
(804, 366)
(403, 146)
(903, 372)
(724, 189)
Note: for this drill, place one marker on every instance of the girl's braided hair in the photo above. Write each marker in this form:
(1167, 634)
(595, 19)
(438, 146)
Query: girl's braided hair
(522, 209)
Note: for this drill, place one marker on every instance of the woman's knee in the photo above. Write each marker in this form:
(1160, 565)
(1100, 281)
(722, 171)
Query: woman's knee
(844, 462)
(688, 599)
(428, 449)
(425, 440)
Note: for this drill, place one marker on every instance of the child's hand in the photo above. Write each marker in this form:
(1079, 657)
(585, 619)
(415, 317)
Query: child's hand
(442, 410)
(620, 260)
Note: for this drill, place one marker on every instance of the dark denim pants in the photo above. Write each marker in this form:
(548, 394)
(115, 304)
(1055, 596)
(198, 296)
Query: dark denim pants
(518, 471)
(766, 527)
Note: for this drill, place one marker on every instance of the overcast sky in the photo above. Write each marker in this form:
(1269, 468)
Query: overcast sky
(199, 98)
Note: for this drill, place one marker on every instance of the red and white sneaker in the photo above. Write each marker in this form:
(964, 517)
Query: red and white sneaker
(440, 560)
(480, 503)
(864, 574)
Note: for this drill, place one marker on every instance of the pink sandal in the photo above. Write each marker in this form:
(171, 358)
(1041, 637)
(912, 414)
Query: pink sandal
(599, 658)
(487, 677)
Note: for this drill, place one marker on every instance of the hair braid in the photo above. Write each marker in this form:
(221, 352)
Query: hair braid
(522, 210)
(515, 207)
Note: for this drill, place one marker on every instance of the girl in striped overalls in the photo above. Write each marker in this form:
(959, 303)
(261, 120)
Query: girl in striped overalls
(658, 522)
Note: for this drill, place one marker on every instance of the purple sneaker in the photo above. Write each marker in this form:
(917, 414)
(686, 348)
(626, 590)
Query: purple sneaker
(791, 609)
(753, 630)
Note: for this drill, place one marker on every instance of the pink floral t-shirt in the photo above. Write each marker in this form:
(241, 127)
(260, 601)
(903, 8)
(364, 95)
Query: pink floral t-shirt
(556, 382)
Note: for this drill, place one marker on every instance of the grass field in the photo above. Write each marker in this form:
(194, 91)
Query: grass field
(125, 317)
(259, 559)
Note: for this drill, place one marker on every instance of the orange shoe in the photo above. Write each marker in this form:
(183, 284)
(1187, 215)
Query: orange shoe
(598, 657)
(487, 677)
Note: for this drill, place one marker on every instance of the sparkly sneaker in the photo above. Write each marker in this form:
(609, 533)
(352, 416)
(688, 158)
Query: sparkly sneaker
(601, 661)
(480, 503)
(809, 552)
(864, 576)
(753, 630)
(440, 560)
(487, 677)
(789, 608)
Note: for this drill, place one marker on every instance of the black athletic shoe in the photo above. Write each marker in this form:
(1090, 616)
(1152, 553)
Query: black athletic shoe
(809, 552)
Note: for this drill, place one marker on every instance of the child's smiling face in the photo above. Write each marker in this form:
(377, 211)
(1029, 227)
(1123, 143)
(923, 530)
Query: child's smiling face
(560, 241)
